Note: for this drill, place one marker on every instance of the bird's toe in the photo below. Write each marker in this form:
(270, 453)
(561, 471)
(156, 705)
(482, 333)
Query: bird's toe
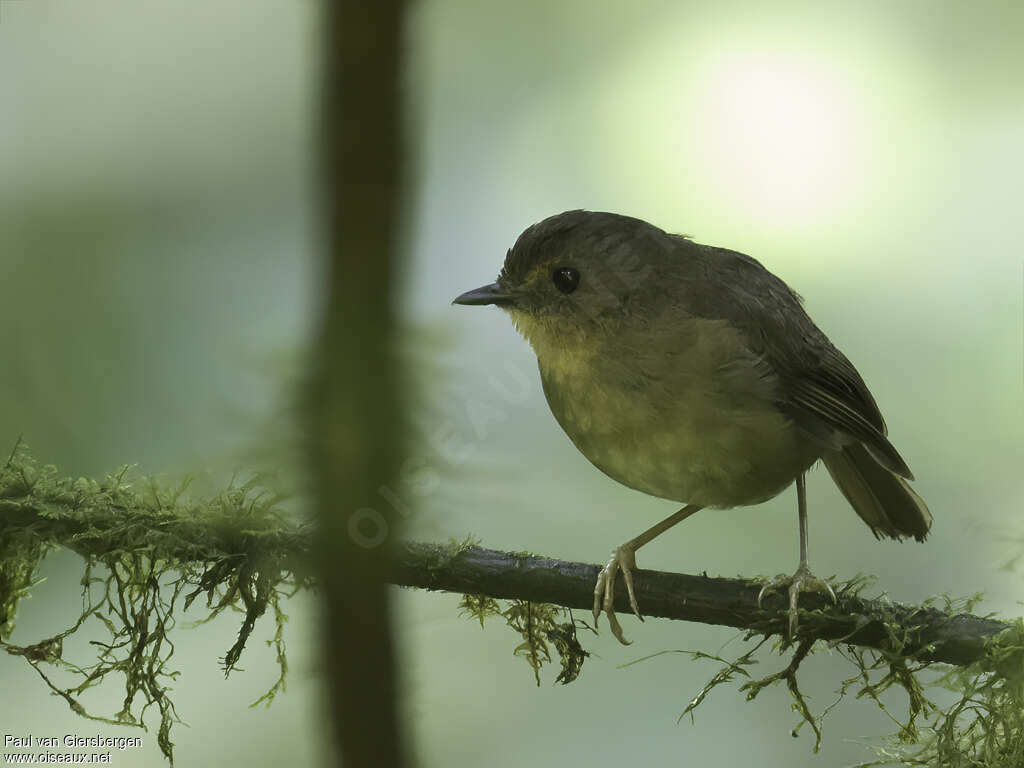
(622, 559)
(801, 581)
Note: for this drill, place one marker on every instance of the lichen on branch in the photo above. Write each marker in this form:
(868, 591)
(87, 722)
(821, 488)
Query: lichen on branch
(149, 552)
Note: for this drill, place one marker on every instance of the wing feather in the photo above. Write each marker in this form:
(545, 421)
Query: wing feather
(818, 387)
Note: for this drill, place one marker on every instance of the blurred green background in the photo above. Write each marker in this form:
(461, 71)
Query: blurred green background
(158, 275)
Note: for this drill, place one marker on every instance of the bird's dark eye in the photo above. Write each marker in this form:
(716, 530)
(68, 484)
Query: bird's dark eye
(566, 279)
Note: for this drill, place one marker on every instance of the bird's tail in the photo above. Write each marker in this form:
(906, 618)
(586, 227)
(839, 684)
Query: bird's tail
(883, 499)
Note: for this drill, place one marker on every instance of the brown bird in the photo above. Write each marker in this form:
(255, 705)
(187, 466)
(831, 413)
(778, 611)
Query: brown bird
(692, 373)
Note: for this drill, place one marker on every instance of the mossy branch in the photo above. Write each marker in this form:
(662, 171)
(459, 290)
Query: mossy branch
(149, 551)
(929, 633)
(890, 646)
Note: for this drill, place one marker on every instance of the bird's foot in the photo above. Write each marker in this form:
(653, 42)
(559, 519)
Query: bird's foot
(801, 581)
(623, 558)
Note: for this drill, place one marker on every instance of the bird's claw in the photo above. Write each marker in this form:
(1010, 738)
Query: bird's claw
(801, 581)
(624, 559)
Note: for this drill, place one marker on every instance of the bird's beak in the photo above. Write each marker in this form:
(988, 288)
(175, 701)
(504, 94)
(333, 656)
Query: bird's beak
(487, 294)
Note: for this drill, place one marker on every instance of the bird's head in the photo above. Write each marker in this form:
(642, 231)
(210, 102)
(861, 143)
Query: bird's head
(577, 276)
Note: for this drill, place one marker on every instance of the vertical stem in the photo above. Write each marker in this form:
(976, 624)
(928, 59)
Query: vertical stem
(354, 412)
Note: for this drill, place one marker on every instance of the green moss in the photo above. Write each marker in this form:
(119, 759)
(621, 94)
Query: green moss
(149, 552)
(983, 728)
(456, 547)
(479, 607)
(540, 625)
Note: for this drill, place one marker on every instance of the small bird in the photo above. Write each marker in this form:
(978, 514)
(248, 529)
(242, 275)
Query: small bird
(692, 373)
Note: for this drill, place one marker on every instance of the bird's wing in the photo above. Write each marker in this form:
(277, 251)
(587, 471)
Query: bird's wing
(817, 386)
(831, 396)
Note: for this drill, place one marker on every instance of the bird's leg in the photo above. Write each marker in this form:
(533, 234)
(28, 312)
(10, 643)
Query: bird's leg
(803, 579)
(624, 558)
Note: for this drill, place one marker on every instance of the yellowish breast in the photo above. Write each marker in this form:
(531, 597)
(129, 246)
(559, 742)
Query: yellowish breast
(696, 424)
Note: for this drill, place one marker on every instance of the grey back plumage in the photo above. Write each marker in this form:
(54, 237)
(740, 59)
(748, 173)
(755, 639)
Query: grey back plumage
(819, 387)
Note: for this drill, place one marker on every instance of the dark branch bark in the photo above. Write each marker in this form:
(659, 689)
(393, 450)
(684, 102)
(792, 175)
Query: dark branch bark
(731, 602)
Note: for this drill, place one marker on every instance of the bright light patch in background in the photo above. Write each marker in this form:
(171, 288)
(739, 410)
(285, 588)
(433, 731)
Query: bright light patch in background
(734, 130)
(777, 134)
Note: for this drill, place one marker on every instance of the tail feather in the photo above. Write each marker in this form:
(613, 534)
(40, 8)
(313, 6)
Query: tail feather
(884, 500)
